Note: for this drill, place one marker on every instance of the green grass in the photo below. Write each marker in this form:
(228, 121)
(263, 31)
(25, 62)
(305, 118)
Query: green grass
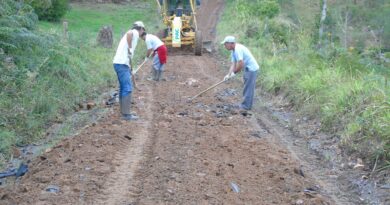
(53, 79)
(85, 20)
(346, 92)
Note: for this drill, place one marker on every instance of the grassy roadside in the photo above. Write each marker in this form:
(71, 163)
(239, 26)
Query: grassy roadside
(85, 20)
(63, 73)
(348, 95)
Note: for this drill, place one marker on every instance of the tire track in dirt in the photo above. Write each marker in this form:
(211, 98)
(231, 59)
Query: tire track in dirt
(185, 153)
(120, 188)
(179, 153)
(208, 17)
(212, 65)
(307, 160)
(196, 155)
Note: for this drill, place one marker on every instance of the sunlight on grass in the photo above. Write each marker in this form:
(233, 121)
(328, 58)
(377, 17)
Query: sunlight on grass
(87, 19)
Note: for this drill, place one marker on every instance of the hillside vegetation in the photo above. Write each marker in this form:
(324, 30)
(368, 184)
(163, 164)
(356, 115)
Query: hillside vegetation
(45, 76)
(333, 65)
(335, 69)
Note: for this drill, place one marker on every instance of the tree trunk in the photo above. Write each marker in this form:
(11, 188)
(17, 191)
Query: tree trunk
(65, 29)
(343, 24)
(105, 37)
(323, 17)
(346, 18)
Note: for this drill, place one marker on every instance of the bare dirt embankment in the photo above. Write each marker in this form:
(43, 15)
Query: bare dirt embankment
(178, 152)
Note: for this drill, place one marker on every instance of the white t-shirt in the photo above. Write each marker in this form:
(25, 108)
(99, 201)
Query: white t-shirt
(121, 56)
(152, 42)
(241, 52)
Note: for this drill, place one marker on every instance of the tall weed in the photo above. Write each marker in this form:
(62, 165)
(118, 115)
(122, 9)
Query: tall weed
(345, 89)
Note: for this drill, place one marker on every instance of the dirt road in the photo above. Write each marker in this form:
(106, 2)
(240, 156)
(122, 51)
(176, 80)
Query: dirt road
(177, 153)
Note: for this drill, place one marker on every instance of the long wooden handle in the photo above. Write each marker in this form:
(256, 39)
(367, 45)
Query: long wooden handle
(139, 67)
(131, 69)
(211, 87)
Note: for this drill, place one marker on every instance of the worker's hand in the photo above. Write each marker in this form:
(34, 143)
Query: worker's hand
(129, 53)
(229, 75)
(146, 58)
(133, 72)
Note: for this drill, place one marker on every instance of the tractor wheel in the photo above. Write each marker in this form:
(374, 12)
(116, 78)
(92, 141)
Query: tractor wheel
(198, 43)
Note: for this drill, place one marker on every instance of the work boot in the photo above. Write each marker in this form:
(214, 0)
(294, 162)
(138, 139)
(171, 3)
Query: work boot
(151, 77)
(120, 104)
(155, 74)
(125, 104)
(245, 111)
(159, 75)
(130, 117)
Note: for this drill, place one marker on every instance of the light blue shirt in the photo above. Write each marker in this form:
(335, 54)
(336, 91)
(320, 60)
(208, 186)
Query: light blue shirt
(241, 52)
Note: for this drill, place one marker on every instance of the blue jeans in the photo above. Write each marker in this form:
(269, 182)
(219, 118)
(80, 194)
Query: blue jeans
(124, 78)
(156, 63)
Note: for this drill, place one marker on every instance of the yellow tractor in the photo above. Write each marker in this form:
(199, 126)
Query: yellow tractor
(179, 16)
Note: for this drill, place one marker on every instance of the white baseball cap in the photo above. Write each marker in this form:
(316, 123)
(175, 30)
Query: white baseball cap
(139, 24)
(229, 39)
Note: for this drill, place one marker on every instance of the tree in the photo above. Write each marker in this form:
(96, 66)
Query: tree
(322, 20)
(50, 10)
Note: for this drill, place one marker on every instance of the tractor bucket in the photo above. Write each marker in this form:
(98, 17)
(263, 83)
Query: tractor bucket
(208, 46)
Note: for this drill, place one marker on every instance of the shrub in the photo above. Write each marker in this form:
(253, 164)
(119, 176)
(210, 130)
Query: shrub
(37, 71)
(258, 8)
(280, 30)
(50, 10)
(268, 8)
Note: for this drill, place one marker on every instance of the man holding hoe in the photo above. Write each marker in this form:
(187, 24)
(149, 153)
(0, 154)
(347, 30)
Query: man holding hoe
(122, 66)
(242, 59)
(157, 49)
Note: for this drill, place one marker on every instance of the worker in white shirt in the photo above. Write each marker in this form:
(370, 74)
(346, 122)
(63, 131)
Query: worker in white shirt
(157, 49)
(122, 66)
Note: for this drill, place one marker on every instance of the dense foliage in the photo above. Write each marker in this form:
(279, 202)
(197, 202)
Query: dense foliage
(41, 77)
(50, 10)
(46, 75)
(340, 78)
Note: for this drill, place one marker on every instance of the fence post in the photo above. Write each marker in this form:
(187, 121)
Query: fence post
(65, 27)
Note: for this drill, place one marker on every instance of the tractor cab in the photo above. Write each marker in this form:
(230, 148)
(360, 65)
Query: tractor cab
(179, 17)
(178, 8)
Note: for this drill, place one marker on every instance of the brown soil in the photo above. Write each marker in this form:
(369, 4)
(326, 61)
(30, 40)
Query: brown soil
(177, 153)
(208, 16)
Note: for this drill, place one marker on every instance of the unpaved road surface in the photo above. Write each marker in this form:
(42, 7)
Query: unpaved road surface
(177, 153)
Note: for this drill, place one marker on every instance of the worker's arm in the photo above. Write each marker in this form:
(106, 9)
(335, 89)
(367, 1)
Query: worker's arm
(129, 37)
(231, 71)
(232, 67)
(238, 66)
(149, 53)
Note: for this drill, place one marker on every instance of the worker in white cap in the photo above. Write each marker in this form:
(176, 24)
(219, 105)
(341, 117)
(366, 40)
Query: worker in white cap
(242, 59)
(122, 66)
